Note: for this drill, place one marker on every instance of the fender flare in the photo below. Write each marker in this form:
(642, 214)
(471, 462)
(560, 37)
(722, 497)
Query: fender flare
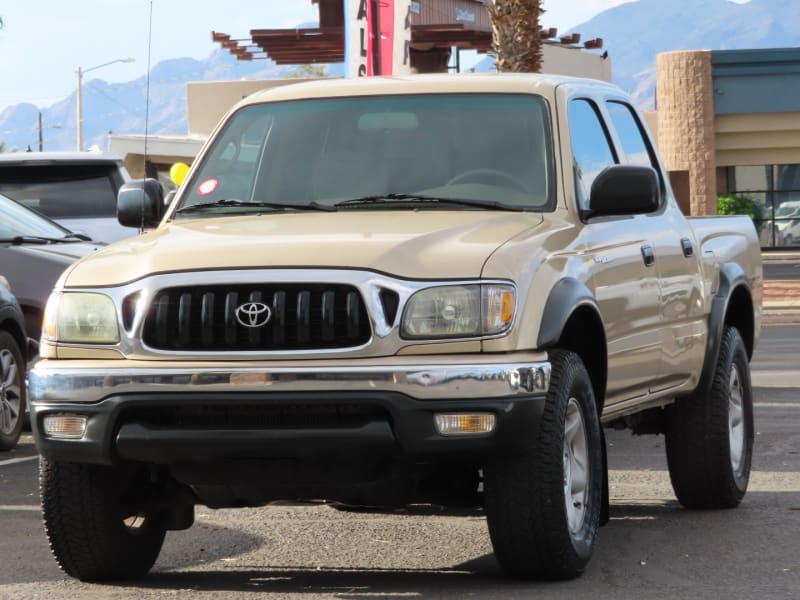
(731, 277)
(565, 296)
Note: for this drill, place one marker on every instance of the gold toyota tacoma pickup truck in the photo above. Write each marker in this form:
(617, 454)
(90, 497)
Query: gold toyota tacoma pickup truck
(390, 292)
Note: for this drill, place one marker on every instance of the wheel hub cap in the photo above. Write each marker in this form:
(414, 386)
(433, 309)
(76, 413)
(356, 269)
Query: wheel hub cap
(10, 392)
(736, 433)
(576, 466)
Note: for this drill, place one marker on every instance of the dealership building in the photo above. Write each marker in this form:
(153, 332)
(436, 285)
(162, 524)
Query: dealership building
(728, 122)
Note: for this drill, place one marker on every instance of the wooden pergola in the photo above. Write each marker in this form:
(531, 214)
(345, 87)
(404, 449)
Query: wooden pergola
(432, 36)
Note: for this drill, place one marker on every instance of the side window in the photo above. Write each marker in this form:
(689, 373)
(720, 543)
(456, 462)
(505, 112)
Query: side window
(634, 145)
(591, 150)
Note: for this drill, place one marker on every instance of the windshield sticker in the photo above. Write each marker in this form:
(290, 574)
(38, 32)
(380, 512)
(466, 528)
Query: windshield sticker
(207, 187)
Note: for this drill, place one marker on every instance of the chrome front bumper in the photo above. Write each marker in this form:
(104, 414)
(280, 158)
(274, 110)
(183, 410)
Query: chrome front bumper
(72, 381)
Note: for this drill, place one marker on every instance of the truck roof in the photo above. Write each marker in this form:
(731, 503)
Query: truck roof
(426, 84)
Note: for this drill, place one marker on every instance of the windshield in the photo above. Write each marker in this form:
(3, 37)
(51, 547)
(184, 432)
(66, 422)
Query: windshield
(18, 221)
(485, 150)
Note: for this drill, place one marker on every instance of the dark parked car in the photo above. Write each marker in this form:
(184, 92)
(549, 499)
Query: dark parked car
(13, 358)
(76, 189)
(34, 251)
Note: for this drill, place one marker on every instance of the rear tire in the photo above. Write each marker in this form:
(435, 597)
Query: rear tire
(98, 520)
(710, 439)
(12, 391)
(543, 508)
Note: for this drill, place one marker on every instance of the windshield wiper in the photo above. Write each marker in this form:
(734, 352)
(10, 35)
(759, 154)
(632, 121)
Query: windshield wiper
(69, 238)
(391, 198)
(76, 237)
(241, 203)
(19, 240)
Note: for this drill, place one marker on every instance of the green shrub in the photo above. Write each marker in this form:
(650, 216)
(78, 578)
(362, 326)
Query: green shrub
(739, 205)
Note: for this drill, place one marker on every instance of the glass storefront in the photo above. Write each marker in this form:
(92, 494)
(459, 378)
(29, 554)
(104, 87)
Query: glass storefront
(774, 191)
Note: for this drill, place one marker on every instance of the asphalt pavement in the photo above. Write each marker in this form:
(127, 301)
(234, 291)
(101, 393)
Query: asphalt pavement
(782, 270)
(776, 361)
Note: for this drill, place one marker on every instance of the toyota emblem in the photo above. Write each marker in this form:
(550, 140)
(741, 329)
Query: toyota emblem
(253, 314)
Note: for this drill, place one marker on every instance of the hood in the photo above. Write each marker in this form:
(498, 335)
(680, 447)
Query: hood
(65, 253)
(409, 244)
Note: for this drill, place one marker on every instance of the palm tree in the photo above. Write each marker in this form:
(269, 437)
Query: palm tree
(515, 35)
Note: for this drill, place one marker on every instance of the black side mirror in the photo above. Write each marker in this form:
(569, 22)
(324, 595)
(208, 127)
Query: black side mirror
(625, 190)
(140, 203)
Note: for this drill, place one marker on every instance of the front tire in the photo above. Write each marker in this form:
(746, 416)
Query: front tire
(543, 508)
(12, 391)
(99, 520)
(710, 439)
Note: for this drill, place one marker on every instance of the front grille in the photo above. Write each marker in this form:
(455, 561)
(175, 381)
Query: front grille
(300, 317)
(255, 416)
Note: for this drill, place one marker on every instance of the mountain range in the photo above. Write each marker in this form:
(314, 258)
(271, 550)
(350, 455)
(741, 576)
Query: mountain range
(633, 33)
(123, 107)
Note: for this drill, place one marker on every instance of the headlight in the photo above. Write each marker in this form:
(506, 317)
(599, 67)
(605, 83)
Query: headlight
(459, 311)
(80, 318)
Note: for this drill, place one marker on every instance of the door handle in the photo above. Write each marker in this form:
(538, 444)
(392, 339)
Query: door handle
(648, 255)
(688, 250)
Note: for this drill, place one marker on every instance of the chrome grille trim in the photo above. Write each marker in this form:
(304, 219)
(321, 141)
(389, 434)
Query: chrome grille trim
(280, 317)
(385, 338)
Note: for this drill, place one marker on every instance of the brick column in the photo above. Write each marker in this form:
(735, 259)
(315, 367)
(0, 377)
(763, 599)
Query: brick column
(685, 113)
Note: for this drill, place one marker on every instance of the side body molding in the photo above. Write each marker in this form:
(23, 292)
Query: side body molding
(567, 294)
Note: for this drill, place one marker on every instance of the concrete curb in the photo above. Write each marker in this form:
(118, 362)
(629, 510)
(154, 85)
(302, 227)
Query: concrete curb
(775, 317)
(780, 256)
(780, 317)
(767, 378)
(782, 302)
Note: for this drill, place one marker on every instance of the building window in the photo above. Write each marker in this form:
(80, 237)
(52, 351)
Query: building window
(774, 191)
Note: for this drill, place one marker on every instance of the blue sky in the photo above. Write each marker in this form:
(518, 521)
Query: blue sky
(44, 41)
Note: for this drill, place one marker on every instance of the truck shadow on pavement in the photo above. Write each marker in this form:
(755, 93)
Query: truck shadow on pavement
(648, 544)
(342, 583)
(639, 533)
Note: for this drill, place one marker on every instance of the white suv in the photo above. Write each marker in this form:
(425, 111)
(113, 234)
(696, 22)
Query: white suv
(787, 220)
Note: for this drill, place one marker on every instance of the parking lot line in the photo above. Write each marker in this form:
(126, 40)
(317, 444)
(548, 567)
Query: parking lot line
(14, 461)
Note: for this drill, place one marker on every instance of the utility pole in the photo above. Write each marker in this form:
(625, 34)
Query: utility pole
(39, 131)
(79, 102)
(79, 94)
